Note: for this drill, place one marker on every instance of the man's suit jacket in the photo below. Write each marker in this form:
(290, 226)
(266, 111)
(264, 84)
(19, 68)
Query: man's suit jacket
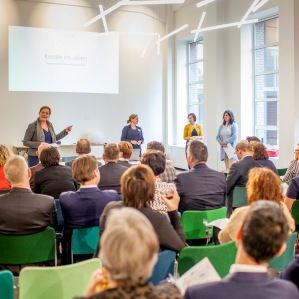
(54, 180)
(110, 175)
(245, 286)
(201, 188)
(23, 212)
(238, 176)
(82, 209)
(34, 169)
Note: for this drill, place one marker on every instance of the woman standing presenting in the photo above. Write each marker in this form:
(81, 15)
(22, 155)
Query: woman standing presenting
(41, 131)
(132, 133)
(227, 134)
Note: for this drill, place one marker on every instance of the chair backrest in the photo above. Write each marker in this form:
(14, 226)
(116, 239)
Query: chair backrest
(164, 266)
(279, 263)
(239, 197)
(6, 285)
(28, 249)
(282, 171)
(85, 240)
(63, 282)
(221, 257)
(192, 222)
(295, 211)
(60, 220)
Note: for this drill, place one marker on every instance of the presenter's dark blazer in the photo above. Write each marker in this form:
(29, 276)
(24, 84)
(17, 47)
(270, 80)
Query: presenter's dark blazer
(54, 180)
(82, 209)
(246, 286)
(24, 212)
(201, 188)
(110, 175)
(238, 176)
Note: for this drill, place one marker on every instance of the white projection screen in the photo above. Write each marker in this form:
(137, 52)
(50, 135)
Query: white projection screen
(49, 60)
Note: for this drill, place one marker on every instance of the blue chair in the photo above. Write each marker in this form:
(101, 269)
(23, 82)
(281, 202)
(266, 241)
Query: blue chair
(60, 220)
(6, 285)
(164, 266)
(240, 197)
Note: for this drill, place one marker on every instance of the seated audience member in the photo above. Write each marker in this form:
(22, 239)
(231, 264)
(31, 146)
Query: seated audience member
(156, 161)
(262, 183)
(291, 272)
(263, 236)
(238, 173)
(128, 253)
(293, 169)
(83, 147)
(5, 153)
(138, 191)
(252, 138)
(53, 179)
(22, 211)
(84, 207)
(169, 173)
(292, 193)
(200, 188)
(111, 172)
(38, 166)
(261, 156)
(125, 152)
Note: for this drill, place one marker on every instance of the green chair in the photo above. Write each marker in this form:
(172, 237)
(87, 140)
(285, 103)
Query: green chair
(295, 212)
(63, 282)
(221, 256)
(85, 240)
(193, 222)
(28, 249)
(6, 285)
(282, 171)
(239, 197)
(279, 263)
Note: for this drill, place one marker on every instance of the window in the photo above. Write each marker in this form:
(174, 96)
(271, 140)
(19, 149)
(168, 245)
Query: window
(266, 81)
(195, 79)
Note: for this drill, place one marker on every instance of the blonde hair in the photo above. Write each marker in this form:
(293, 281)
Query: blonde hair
(263, 183)
(131, 116)
(129, 246)
(15, 170)
(83, 168)
(126, 148)
(5, 153)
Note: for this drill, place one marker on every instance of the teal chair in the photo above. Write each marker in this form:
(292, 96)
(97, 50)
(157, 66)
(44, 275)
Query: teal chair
(28, 249)
(279, 263)
(282, 171)
(295, 213)
(239, 197)
(85, 240)
(164, 266)
(63, 282)
(221, 256)
(193, 222)
(6, 285)
(68, 158)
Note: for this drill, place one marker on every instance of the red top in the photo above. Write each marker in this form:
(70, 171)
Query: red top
(4, 183)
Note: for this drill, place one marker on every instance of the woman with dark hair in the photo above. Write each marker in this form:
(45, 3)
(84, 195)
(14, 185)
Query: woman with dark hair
(132, 133)
(53, 179)
(227, 134)
(191, 130)
(41, 131)
(138, 191)
(157, 162)
(260, 155)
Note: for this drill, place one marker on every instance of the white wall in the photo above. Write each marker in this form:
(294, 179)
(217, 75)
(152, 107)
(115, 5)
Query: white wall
(141, 79)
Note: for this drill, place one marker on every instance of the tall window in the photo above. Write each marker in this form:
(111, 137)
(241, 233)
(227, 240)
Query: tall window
(195, 79)
(266, 76)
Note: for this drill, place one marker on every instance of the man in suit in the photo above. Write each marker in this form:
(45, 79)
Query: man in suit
(39, 166)
(263, 235)
(111, 172)
(83, 147)
(169, 173)
(23, 212)
(200, 188)
(84, 207)
(238, 172)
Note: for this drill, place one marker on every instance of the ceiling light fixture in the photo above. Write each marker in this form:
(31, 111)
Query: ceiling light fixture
(172, 33)
(104, 19)
(205, 2)
(248, 12)
(155, 2)
(199, 26)
(258, 6)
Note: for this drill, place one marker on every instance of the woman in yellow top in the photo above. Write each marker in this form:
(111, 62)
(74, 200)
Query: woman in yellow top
(191, 130)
